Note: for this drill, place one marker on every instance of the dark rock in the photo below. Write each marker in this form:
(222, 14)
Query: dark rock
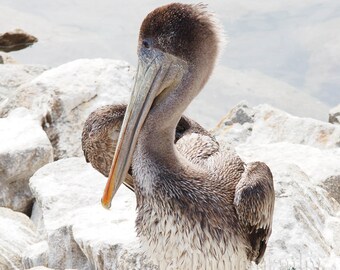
(16, 40)
(334, 115)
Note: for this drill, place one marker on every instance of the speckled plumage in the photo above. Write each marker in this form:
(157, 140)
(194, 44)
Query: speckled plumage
(101, 131)
(199, 206)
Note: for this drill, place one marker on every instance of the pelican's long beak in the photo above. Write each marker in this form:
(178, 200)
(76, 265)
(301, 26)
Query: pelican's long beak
(151, 74)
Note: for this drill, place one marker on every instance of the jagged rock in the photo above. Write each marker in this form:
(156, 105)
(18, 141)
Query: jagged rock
(306, 224)
(24, 149)
(63, 98)
(11, 77)
(334, 115)
(80, 232)
(318, 164)
(264, 124)
(301, 207)
(40, 268)
(332, 185)
(237, 125)
(7, 59)
(16, 40)
(35, 255)
(16, 234)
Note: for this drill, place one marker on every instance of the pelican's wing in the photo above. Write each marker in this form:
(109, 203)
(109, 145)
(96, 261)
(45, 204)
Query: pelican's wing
(100, 136)
(254, 203)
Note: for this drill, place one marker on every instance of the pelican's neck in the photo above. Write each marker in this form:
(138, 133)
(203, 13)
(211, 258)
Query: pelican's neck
(158, 132)
(155, 147)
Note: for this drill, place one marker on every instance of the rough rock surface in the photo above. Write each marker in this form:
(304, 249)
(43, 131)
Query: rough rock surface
(7, 59)
(63, 98)
(332, 185)
(80, 232)
(16, 234)
(334, 115)
(35, 255)
(24, 149)
(264, 124)
(301, 208)
(318, 164)
(11, 77)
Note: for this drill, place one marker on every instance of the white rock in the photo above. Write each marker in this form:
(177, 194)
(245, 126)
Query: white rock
(16, 234)
(35, 255)
(306, 218)
(80, 232)
(318, 164)
(11, 77)
(306, 224)
(63, 98)
(334, 115)
(264, 124)
(6, 58)
(24, 149)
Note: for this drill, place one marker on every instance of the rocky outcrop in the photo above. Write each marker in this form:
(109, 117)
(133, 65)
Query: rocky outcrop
(63, 98)
(11, 77)
(7, 59)
(264, 124)
(334, 115)
(16, 234)
(80, 232)
(16, 40)
(35, 255)
(301, 208)
(24, 149)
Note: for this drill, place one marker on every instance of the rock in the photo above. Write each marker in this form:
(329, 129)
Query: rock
(264, 124)
(334, 115)
(332, 185)
(11, 77)
(318, 164)
(35, 255)
(303, 155)
(63, 98)
(25, 149)
(16, 40)
(302, 207)
(7, 59)
(306, 224)
(16, 234)
(40, 268)
(80, 232)
(237, 125)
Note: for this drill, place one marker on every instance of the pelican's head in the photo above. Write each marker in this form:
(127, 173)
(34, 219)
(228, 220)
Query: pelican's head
(177, 48)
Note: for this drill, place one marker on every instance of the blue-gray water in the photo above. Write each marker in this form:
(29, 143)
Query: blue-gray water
(286, 53)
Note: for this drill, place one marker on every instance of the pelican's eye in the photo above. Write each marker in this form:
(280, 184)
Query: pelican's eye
(146, 43)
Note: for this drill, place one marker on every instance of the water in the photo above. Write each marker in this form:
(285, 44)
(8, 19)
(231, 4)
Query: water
(285, 53)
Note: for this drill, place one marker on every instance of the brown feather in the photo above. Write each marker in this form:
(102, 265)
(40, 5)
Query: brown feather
(101, 131)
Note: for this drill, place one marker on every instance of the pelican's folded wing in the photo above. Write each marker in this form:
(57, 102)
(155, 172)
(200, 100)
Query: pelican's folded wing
(254, 203)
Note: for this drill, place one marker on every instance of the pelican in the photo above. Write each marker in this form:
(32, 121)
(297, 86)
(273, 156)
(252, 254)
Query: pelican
(195, 210)
(101, 131)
